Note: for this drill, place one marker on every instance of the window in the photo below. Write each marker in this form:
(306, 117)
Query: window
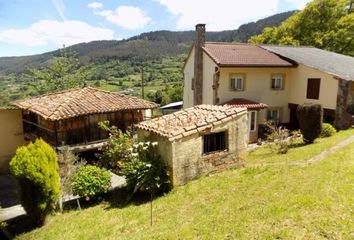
(313, 88)
(214, 142)
(277, 82)
(273, 115)
(252, 121)
(237, 82)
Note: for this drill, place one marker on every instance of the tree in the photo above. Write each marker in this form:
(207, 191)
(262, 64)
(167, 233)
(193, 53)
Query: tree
(62, 73)
(4, 98)
(35, 166)
(310, 118)
(325, 24)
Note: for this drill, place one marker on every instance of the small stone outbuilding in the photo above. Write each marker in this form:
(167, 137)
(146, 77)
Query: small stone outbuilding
(198, 140)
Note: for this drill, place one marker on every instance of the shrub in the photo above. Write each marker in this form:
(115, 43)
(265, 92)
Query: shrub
(35, 166)
(278, 136)
(69, 163)
(327, 130)
(116, 153)
(90, 181)
(147, 173)
(310, 120)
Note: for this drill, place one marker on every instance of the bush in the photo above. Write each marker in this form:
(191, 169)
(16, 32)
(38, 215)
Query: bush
(147, 173)
(310, 119)
(327, 130)
(90, 181)
(116, 153)
(35, 166)
(69, 163)
(278, 137)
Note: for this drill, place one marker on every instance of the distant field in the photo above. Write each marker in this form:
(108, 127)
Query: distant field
(270, 202)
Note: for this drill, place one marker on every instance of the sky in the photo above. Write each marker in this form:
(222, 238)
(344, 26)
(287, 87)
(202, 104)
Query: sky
(37, 26)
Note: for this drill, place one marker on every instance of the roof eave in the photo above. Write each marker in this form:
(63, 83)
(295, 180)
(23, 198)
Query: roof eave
(257, 65)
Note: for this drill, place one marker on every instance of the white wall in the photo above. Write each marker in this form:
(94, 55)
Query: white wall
(208, 78)
(298, 84)
(188, 72)
(257, 87)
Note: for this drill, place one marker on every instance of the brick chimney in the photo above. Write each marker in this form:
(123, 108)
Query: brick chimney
(198, 63)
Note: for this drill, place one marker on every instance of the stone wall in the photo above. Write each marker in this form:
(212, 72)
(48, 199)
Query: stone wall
(198, 64)
(190, 163)
(164, 148)
(345, 100)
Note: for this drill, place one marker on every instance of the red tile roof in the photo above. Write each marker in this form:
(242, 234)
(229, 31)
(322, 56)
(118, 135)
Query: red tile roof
(245, 103)
(190, 121)
(241, 54)
(82, 101)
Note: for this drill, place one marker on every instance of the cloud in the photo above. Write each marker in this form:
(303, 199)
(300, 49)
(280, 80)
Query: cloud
(127, 17)
(95, 5)
(218, 15)
(299, 4)
(47, 32)
(60, 7)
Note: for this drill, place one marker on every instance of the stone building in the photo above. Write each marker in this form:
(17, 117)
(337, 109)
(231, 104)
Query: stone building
(198, 140)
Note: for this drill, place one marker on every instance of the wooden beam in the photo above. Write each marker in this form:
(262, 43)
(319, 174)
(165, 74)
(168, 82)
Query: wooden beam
(37, 125)
(56, 135)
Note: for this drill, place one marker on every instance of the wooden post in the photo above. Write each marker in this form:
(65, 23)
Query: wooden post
(85, 128)
(56, 134)
(132, 111)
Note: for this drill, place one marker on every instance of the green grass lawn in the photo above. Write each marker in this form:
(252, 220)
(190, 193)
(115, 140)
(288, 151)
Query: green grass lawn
(268, 202)
(297, 153)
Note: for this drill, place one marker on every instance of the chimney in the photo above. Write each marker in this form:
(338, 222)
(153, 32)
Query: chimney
(198, 63)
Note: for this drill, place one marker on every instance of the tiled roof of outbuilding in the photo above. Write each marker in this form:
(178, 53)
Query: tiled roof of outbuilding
(190, 121)
(242, 55)
(245, 103)
(82, 101)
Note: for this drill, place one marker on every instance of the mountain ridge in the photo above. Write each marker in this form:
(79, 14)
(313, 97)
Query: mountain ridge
(145, 46)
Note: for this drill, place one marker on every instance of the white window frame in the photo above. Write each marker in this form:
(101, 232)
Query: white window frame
(234, 82)
(277, 118)
(250, 121)
(278, 80)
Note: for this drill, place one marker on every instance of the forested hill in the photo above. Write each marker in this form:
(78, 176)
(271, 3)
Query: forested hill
(146, 46)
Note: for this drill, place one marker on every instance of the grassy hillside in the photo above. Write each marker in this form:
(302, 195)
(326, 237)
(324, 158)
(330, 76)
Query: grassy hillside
(263, 202)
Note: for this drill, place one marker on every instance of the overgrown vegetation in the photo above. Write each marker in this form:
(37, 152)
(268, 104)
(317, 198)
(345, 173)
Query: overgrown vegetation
(279, 138)
(90, 181)
(325, 24)
(116, 153)
(146, 172)
(35, 166)
(69, 163)
(310, 118)
(327, 130)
